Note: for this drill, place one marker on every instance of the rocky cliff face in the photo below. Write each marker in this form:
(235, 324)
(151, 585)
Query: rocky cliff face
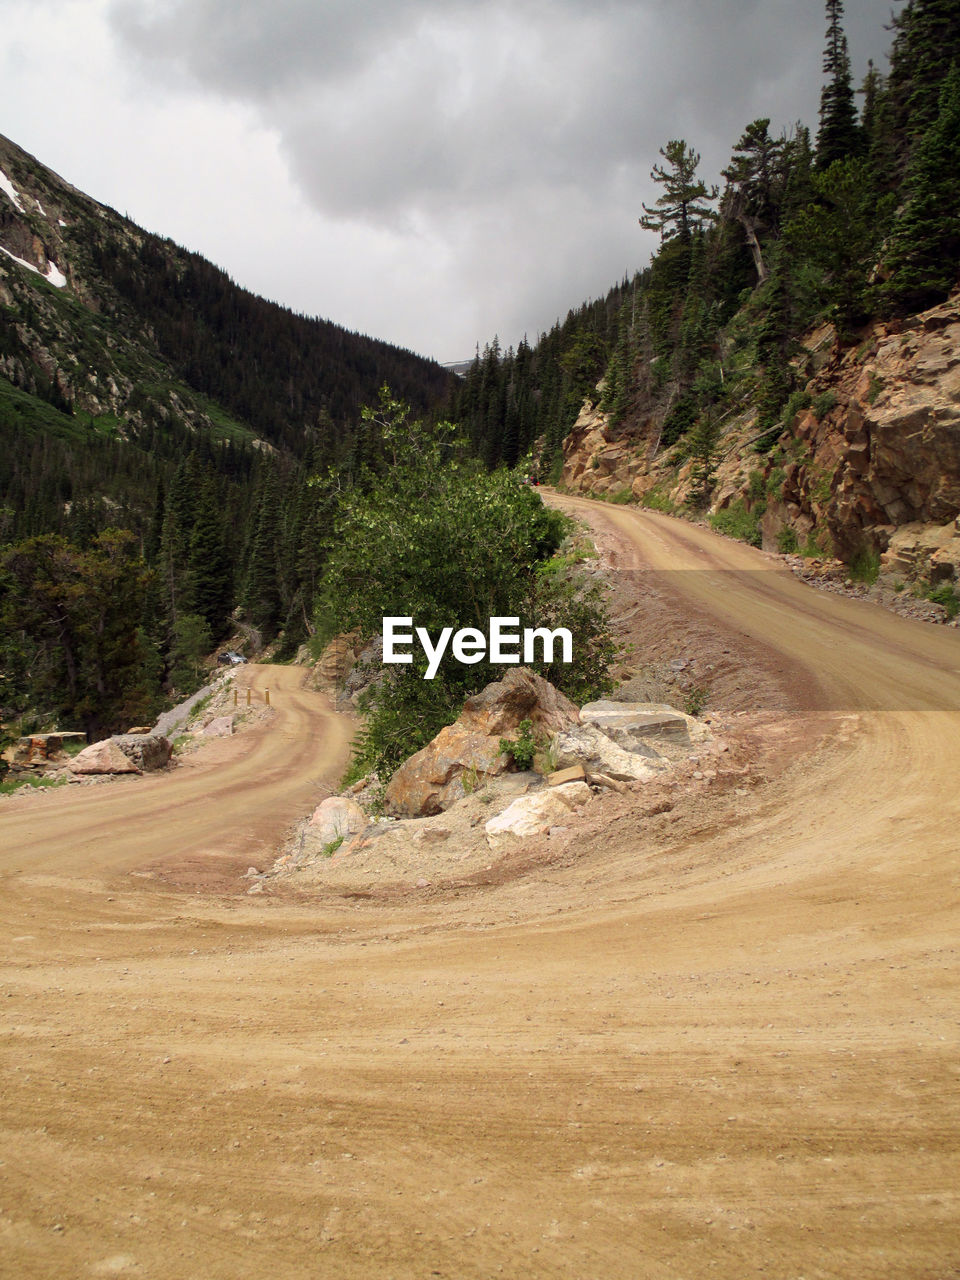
(878, 448)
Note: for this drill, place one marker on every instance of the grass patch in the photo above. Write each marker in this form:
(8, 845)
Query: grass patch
(865, 566)
(737, 522)
(657, 500)
(946, 594)
(16, 784)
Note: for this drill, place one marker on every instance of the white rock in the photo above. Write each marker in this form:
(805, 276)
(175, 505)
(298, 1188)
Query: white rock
(589, 746)
(102, 757)
(535, 814)
(338, 817)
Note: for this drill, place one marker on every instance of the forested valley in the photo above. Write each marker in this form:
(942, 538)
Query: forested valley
(183, 462)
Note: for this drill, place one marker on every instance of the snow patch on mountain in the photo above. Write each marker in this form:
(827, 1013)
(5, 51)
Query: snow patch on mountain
(7, 186)
(52, 273)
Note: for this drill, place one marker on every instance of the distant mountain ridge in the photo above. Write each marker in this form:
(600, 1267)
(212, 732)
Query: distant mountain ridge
(101, 318)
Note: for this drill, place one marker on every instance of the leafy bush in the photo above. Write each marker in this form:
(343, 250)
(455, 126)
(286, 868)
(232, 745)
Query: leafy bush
(442, 541)
(946, 594)
(737, 522)
(787, 542)
(823, 403)
(523, 748)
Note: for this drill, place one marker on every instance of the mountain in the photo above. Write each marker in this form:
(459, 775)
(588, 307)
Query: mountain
(111, 336)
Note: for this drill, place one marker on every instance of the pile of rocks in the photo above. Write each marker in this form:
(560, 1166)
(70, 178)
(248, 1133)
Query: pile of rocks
(459, 796)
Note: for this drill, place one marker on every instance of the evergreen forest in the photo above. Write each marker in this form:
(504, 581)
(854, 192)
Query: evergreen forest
(183, 462)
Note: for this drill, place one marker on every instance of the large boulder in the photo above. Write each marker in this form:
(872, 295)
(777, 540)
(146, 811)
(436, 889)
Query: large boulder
(336, 818)
(441, 773)
(590, 747)
(220, 727)
(535, 814)
(521, 695)
(466, 753)
(104, 757)
(147, 751)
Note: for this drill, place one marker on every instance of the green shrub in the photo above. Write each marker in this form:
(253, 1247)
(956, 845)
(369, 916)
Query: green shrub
(737, 522)
(823, 403)
(946, 594)
(797, 402)
(787, 542)
(523, 748)
(696, 699)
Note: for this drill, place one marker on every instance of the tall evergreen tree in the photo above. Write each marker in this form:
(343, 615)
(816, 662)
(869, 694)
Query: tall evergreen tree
(685, 205)
(925, 46)
(839, 135)
(925, 255)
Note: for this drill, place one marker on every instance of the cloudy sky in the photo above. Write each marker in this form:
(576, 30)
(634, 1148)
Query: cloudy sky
(431, 172)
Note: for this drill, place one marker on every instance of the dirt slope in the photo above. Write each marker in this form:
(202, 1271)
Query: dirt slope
(730, 1052)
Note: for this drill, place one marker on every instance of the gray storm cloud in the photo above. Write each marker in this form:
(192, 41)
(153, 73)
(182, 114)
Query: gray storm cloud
(519, 136)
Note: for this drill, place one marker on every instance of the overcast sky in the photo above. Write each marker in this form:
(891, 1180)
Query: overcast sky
(432, 172)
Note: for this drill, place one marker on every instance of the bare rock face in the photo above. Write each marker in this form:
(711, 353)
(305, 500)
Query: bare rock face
(467, 752)
(102, 758)
(930, 552)
(336, 661)
(535, 814)
(147, 751)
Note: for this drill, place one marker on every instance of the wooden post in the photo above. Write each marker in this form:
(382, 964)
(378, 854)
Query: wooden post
(235, 697)
(266, 696)
(248, 697)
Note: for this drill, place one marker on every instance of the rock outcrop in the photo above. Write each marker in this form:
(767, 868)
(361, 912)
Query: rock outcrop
(467, 752)
(590, 747)
(878, 449)
(147, 751)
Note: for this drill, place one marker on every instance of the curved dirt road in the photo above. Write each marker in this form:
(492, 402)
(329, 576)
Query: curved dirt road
(722, 1052)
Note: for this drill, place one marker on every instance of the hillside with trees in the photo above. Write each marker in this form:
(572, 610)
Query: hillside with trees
(158, 427)
(853, 223)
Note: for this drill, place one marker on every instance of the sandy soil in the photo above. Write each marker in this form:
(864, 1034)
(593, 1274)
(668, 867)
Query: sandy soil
(712, 1038)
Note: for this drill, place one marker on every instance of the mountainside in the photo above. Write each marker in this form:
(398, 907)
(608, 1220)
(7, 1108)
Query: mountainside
(109, 333)
(162, 432)
(872, 444)
(787, 363)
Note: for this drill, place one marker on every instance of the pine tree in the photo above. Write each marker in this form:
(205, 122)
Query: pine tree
(754, 181)
(685, 204)
(209, 568)
(839, 135)
(926, 45)
(925, 255)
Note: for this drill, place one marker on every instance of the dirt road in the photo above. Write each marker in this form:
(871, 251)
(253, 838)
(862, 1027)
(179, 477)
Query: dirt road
(726, 1052)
